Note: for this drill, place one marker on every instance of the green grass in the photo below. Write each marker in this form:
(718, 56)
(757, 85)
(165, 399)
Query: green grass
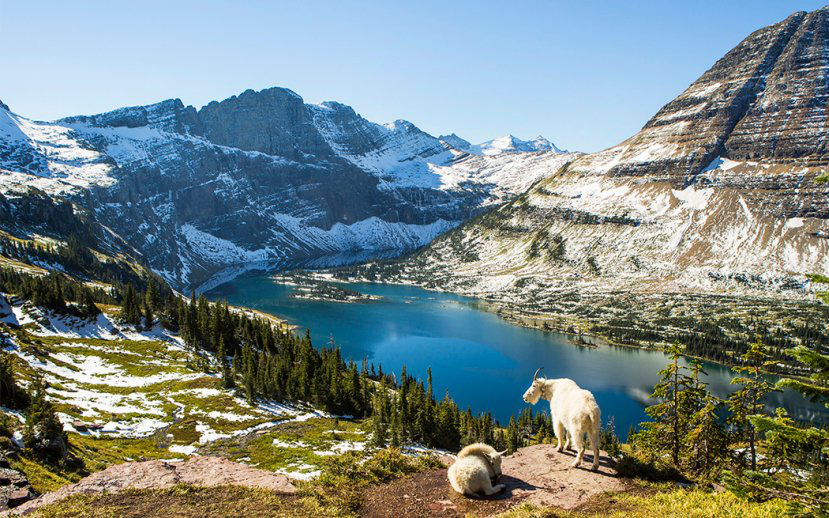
(336, 493)
(96, 454)
(182, 501)
(308, 436)
(142, 358)
(679, 503)
(818, 278)
(257, 449)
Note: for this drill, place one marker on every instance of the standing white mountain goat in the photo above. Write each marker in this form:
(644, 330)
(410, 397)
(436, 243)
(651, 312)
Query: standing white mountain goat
(475, 470)
(574, 412)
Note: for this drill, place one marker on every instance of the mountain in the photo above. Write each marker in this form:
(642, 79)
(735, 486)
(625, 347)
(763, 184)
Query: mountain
(259, 177)
(500, 145)
(510, 144)
(720, 192)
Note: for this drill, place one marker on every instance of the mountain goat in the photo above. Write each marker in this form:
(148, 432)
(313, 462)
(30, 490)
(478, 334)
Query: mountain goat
(574, 412)
(475, 470)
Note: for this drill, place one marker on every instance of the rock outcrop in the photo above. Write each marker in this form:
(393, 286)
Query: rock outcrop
(764, 100)
(156, 474)
(535, 475)
(15, 489)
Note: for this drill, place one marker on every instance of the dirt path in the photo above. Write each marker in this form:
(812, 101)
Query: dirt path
(537, 474)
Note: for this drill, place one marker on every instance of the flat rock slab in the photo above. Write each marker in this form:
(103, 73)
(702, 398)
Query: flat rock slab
(547, 479)
(157, 474)
(536, 474)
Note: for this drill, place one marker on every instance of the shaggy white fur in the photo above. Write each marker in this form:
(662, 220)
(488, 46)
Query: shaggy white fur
(487, 452)
(474, 470)
(574, 411)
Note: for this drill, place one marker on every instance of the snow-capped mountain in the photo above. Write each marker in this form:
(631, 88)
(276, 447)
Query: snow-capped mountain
(501, 145)
(510, 144)
(718, 192)
(259, 177)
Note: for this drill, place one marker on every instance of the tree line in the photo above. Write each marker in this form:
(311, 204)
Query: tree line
(265, 361)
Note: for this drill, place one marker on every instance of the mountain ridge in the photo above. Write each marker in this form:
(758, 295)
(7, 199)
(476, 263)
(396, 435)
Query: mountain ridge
(261, 177)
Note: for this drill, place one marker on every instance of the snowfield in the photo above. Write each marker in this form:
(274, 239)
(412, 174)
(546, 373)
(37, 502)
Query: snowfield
(107, 381)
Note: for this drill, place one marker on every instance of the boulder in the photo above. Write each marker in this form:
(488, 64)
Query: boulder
(14, 488)
(158, 474)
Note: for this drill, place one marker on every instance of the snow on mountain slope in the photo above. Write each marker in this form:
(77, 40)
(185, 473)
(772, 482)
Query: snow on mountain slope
(258, 177)
(50, 156)
(505, 174)
(398, 153)
(403, 156)
(717, 193)
(510, 144)
(455, 141)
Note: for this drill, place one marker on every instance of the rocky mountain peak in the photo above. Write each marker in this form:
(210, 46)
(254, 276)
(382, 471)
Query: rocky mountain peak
(455, 141)
(260, 176)
(718, 191)
(274, 121)
(170, 115)
(4, 106)
(765, 99)
(513, 144)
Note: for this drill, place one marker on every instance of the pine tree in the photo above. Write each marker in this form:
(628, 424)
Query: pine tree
(671, 413)
(396, 440)
(794, 449)
(89, 308)
(748, 401)
(380, 423)
(151, 298)
(227, 375)
(705, 441)
(44, 433)
(448, 426)
(513, 436)
(11, 395)
(148, 316)
(130, 310)
(248, 383)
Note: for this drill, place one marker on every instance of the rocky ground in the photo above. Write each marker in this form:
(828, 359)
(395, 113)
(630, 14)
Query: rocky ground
(14, 486)
(536, 475)
(156, 474)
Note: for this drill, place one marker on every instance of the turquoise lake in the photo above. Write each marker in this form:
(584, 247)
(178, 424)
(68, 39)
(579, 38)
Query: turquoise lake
(484, 361)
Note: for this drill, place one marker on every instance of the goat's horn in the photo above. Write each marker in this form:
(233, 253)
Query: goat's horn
(535, 376)
(504, 452)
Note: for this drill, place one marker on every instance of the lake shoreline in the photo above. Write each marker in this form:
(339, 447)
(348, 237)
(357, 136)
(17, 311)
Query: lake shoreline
(483, 357)
(563, 326)
(566, 329)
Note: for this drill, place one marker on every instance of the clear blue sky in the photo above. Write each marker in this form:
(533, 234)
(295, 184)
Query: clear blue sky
(585, 74)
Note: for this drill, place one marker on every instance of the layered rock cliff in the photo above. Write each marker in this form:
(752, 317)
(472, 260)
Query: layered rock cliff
(718, 192)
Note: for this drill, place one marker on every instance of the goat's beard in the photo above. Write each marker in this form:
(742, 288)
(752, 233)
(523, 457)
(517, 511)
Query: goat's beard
(534, 397)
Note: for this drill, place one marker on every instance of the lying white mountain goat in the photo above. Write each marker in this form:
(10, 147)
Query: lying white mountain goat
(574, 412)
(475, 469)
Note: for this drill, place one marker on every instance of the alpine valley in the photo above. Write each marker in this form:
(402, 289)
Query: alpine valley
(197, 306)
